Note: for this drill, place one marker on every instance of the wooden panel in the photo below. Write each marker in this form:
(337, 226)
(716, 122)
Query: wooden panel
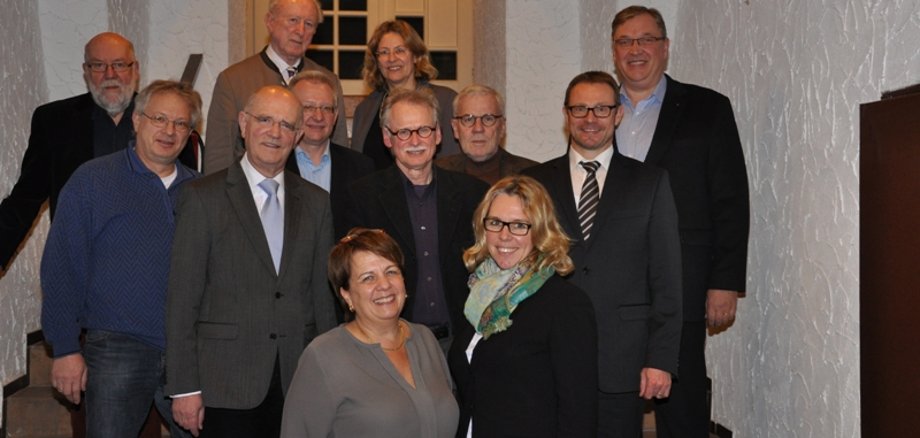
(409, 7)
(889, 272)
(442, 25)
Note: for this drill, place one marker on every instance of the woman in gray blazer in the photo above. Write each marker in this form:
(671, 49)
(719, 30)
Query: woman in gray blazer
(396, 57)
(377, 375)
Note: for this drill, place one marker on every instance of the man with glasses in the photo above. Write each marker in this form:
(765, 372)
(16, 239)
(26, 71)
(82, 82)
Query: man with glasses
(427, 210)
(479, 125)
(621, 216)
(106, 266)
(70, 132)
(291, 25)
(689, 131)
(316, 158)
(247, 284)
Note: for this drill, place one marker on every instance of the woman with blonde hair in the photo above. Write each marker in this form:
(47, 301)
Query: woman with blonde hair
(526, 364)
(397, 58)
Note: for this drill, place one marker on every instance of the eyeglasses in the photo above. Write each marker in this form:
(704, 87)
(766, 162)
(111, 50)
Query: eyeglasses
(267, 122)
(100, 67)
(600, 111)
(643, 41)
(399, 51)
(406, 133)
(469, 120)
(161, 121)
(495, 225)
(326, 110)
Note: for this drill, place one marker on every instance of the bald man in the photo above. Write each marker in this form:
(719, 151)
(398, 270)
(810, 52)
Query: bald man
(67, 133)
(247, 287)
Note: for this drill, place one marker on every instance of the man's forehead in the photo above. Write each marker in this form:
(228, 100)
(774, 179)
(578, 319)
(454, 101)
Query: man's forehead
(313, 90)
(477, 100)
(296, 8)
(411, 109)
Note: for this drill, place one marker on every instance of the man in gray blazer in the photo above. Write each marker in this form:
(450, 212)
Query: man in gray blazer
(291, 25)
(247, 285)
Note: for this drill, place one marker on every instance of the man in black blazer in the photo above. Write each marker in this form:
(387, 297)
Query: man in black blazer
(69, 132)
(689, 131)
(427, 210)
(247, 282)
(626, 253)
(316, 158)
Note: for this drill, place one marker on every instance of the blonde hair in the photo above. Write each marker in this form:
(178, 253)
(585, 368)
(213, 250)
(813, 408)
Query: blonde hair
(549, 240)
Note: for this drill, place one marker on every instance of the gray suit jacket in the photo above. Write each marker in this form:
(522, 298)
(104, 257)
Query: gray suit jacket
(223, 144)
(630, 267)
(229, 315)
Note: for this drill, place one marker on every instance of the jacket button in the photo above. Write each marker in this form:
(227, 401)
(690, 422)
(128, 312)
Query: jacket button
(278, 295)
(586, 271)
(273, 336)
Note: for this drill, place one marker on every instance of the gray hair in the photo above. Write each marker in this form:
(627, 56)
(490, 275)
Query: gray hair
(273, 6)
(181, 89)
(317, 77)
(479, 90)
(422, 97)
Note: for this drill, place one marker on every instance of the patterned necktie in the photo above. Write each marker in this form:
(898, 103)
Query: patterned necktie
(291, 71)
(590, 197)
(273, 220)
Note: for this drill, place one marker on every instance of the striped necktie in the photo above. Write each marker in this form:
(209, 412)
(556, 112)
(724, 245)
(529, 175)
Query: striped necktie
(273, 220)
(590, 197)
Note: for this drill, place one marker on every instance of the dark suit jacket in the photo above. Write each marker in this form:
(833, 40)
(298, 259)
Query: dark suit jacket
(60, 141)
(630, 267)
(379, 201)
(347, 167)
(696, 141)
(229, 315)
(232, 90)
(508, 163)
(539, 377)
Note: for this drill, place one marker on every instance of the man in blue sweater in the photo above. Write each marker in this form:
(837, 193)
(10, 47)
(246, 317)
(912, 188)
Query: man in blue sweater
(106, 265)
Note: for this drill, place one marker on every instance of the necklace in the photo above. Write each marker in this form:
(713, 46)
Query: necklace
(402, 337)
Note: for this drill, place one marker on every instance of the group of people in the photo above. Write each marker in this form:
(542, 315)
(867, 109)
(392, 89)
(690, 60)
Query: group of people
(306, 288)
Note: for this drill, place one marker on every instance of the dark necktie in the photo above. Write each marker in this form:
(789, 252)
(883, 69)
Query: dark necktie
(590, 197)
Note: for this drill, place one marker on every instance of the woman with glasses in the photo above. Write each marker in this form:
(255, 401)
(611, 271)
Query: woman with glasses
(526, 364)
(397, 58)
(376, 375)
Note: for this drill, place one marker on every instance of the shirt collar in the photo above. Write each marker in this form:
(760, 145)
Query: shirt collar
(656, 97)
(302, 154)
(280, 63)
(603, 159)
(253, 177)
(182, 173)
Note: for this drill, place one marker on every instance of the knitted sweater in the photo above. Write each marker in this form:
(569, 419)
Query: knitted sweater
(106, 261)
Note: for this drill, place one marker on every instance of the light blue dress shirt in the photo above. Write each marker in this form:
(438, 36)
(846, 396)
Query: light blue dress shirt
(321, 174)
(634, 135)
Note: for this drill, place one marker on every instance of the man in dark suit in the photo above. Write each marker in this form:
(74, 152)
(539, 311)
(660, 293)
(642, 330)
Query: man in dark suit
(316, 158)
(626, 252)
(427, 210)
(479, 125)
(67, 133)
(291, 25)
(689, 131)
(247, 284)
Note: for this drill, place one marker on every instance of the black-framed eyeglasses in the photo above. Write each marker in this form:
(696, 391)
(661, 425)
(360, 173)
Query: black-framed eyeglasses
(406, 133)
(161, 121)
(600, 111)
(326, 110)
(468, 120)
(516, 228)
(268, 122)
(118, 66)
(643, 41)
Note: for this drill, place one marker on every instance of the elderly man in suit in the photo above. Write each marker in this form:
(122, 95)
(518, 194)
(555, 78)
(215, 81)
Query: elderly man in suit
(626, 251)
(689, 131)
(69, 132)
(247, 286)
(479, 125)
(291, 25)
(427, 210)
(317, 158)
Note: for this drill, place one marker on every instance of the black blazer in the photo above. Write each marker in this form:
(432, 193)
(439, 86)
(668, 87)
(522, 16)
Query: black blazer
(347, 167)
(696, 141)
(61, 140)
(379, 201)
(630, 267)
(539, 377)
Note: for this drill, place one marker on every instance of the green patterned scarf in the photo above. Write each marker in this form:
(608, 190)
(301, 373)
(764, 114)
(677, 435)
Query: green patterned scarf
(495, 293)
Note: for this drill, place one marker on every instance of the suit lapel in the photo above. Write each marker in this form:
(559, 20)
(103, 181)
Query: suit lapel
(615, 179)
(561, 190)
(339, 178)
(671, 110)
(243, 206)
(293, 211)
(448, 209)
(393, 203)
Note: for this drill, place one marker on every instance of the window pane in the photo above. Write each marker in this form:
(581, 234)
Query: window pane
(350, 64)
(352, 5)
(324, 32)
(353, 30)
(321, 57)
(418, 23)
(446, 63)
(326, 4)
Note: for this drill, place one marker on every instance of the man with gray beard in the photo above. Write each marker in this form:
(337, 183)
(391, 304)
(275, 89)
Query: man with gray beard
(67, 133)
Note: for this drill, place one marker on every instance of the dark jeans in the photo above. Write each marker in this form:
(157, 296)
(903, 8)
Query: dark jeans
(124, 376)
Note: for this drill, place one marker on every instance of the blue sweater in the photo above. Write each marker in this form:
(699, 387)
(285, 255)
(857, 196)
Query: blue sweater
(106, 261)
